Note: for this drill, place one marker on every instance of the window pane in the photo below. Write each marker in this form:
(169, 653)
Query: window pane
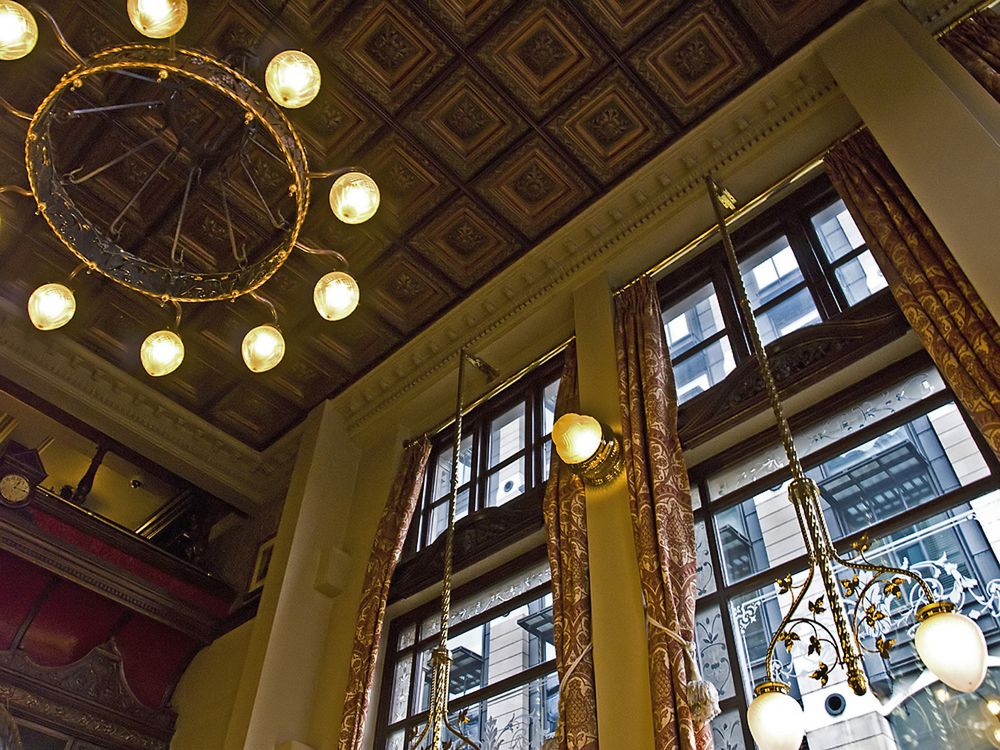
(507, 434)
(755, 616)
(727, 731)
(520, 719)
(549, 396)
(546, 458)
(838, 234)
(899, 470)
(400, 689)
(439, 515)
(757, 533)
(692, 320)
(770, 271)
(795, 312)
(702, 370)
(937, 716)
(442, 468)
(713, 651)
(506, 484)
(396, 741)
(862, 413)
(860, 277)
(704, 572)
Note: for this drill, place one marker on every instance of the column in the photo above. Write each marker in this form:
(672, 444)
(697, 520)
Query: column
(277, 691)
(624, 708)
(938, 126)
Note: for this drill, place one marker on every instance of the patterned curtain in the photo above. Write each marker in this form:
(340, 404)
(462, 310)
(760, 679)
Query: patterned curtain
(976, 44)
(386, 549)
(934, 294)
(566, 535)
(662, 521)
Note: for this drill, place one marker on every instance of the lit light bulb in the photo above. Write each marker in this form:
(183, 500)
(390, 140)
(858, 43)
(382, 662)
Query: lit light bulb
(18, 30)
(292, 79)
(51, 306)
(777, 721)
(263, 348)
(162, 353)
(158, 19)
(336, 295)
(953, 647)
(576, 437)
(354, 198)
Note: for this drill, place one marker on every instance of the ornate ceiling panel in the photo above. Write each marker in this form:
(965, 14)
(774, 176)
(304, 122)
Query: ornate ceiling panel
(487, 124)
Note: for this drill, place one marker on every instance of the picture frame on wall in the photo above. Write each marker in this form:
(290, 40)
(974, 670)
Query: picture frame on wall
(261, 565)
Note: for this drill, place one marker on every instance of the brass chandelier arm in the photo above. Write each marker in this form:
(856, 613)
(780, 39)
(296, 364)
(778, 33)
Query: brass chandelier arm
(323, 252)
(881, 570)
(787, 620)
(63, 42)
(12, 110)
(268, 304)
(16, 189)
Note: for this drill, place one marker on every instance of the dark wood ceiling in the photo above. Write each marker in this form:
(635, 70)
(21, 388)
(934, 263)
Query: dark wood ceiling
(487, 124)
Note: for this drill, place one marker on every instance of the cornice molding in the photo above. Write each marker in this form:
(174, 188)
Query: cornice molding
(763, 114)
(132, 412)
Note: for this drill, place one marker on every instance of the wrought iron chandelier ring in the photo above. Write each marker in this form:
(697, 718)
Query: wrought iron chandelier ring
(96, 244)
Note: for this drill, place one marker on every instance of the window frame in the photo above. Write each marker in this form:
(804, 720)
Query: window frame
(706, 513)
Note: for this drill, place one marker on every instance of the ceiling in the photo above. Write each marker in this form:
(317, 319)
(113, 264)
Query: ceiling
(487, 124)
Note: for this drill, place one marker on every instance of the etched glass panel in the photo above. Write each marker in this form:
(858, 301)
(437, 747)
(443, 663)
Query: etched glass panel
(727, 731)
(396, 741)
(704, 572)
(407, 636)
(400, 689)
(713, 651)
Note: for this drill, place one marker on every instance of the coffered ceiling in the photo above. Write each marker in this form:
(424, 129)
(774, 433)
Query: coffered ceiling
(487, 125)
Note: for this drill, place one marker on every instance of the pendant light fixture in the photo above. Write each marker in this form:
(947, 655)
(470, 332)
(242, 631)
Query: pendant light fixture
(163, 351)
(157, 19)
(18, 30)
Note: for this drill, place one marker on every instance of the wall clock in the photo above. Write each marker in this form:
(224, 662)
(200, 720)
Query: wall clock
(21, 470)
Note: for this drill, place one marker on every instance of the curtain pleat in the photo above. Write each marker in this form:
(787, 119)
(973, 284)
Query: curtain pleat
(566, 538)
(662, 519)
(386, 550)
(976, 44)
(954, 325)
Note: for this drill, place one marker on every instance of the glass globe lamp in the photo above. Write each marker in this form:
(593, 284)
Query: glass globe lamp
(354, 197)
(18, 30)
(292, 79)
(51, 306)
(777, 721)
(952, 646)
(263, 348)
(336, 295)
(576, 437)
(158, 19)
(161, 353)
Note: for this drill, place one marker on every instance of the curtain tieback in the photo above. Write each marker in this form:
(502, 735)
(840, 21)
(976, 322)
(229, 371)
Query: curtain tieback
(702, 695)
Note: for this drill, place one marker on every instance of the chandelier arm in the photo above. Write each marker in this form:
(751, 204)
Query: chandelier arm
(260, 196)
(146, 104)
(63, 42)
(460, 735)
(881, 570)
(880, 649)
(16, 189)
(11, 109)
(177, 258)
(323, 252)
(115, 227)
(339, 172)
(788, 618)
(751, 324)
(268, 304)
(72, 176)
(177, 315)
(240, 256)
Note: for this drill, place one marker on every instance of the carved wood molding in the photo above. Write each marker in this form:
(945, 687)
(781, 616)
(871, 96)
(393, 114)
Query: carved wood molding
(797, 360)
(19, 537)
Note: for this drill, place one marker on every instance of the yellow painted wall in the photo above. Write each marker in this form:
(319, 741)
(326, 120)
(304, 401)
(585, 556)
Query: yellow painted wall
(204, 697)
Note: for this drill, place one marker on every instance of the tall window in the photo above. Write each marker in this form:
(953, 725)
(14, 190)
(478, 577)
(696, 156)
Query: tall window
(503, 687)
(803, 261)
(897, 461)
(505, 453)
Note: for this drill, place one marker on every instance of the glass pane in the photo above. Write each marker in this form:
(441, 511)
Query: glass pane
(505, 484)
(862, 413)
(860, 277)
(797, 311)
(522, 718)
(507, 434)
(713, 651)
(442, 468)
(899, 470)
(838, 234)
(407, 636)
(702, 370)
(727, 731)
(770, 271)
(692, 320)
(546, 458)
(396, 741)
(695, 495)
(549, 396)
(513, 586)
(400, 688)
(439, 515)
(755, 616)
(704, 572)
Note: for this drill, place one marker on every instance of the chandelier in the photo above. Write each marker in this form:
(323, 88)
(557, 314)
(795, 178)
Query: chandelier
(439, 722)
(169, 94)
(951, 645)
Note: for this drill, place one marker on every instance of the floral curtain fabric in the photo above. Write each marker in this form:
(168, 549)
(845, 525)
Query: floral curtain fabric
(566, 536)
(934, 294)
(976, 44)
(386, 550)
(662, 520)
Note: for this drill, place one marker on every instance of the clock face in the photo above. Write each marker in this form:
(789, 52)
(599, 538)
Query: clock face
(14, 489)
